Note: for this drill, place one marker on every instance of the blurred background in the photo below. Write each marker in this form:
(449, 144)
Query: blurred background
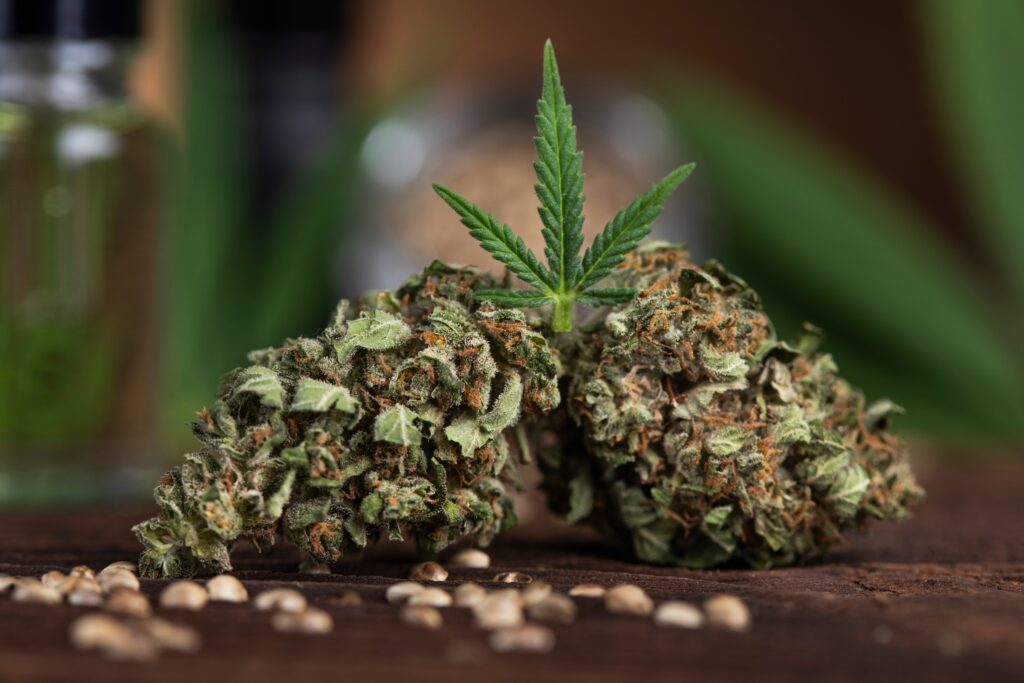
(184, 181)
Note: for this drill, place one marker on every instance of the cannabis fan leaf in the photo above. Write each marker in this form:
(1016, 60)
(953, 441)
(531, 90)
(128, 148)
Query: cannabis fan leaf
(567, 278)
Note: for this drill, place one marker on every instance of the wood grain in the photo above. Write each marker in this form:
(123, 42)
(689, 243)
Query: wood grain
(939, 598)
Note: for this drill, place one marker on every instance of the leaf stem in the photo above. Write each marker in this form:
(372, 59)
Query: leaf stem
(561, 318)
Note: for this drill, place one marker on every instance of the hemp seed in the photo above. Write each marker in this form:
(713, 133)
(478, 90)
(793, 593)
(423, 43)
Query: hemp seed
(428, 571)
(527, 638)
(184, 595)
(678, 614)
(470, 558)
(469, 594)
(628, 599)
(513, 577)
(402, 591)
(109, 580)
(422, 616)
(432, 597)
(587, 590)
(280, 600)
(226, 588)
(554, 609)
(33, 591)
(126, 601)
(311, 621)
(728, 612)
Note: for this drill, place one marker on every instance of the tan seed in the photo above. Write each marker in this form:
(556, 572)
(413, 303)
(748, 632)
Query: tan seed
(554, 609)
(280, 600)
(428, 571)
(500, 609)
(422, 616)
(402, 591)
(587, 590)
(678, 614)
(79, 583)
(346, 599)
(728, 612)
(628, 599)
(184, 595)
(513, 577)
(311, 620)
(109, 580)
(469, 594)
(170, 636)
(30, 590)
(94, 631)
(527, 638)
(85, 592)
(432, 597)
(53, 579)
(126, 601)
(471, 558)
(226, 588)
(82, 570)
(121, 565)
(535, 592)
(6, 582)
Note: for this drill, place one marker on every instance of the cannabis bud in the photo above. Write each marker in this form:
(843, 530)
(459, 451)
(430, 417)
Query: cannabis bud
(392, 422)
(700, 438)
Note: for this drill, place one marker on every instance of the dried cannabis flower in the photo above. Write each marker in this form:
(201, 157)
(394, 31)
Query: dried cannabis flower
(393, 421)
(702, 439)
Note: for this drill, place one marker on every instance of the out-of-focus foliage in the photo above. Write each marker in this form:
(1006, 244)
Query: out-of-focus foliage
(822, 242)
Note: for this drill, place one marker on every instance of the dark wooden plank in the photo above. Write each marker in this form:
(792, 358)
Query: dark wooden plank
(940, 598)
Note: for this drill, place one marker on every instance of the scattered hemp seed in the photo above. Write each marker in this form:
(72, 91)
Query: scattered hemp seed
(115, 639)
(6, 581)
(678, 614)
(121, 565)
(470, 558)
(346, 599)
(53, 579)
(78, 584)
(587, 590)
(513, 577)
(31, 590)
(170, 636)
(526, 638)
(628, 599)
(280, 600)
(311, 620)
(402, 591)
(428, 571)
(109, 580)
(432, 597)
(554, 609)
(728, 612)
(469, 594)
(85, 593)
(80, 571)
(226, 588)
(422, 616)
(500, 609)
(535, 592)
(126, 601)
(184, 595)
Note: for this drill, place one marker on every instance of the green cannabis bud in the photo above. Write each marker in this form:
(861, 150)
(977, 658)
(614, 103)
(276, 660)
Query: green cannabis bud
(702, 439)
(392, 422)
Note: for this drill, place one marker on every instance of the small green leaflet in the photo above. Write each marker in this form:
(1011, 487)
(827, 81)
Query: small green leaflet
(567, 278)
(395, 425)
(376, 331)
(262, 382)
(726, 440)
(316, 396)
(472, 432)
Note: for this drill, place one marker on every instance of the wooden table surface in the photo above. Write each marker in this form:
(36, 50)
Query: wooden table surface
(939, 598)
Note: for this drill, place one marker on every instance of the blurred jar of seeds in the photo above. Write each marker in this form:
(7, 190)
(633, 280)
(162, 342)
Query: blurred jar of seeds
(77, 249)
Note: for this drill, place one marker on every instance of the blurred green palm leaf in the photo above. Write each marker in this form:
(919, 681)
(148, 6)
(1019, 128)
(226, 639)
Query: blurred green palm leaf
(823, 241)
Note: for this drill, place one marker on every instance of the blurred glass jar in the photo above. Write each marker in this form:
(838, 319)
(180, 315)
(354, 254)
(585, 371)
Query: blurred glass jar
(77, 251)
(482, 146)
